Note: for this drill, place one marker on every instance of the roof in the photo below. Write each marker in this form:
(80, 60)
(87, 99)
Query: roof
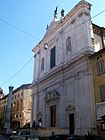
(97, 53)
(56, 24)
(4, 97)
(98, 30)
(24, 86)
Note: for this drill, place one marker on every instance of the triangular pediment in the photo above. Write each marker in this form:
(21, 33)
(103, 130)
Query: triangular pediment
(69, 107)
(52, 95)
(51, 27)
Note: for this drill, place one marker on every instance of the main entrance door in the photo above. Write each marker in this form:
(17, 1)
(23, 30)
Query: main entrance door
(53, 115)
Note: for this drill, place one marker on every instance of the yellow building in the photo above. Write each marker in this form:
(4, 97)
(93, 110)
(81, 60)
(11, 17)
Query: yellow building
(21, 106)
(20, 109)
(3, 109)
(98, 68)
(98, 74)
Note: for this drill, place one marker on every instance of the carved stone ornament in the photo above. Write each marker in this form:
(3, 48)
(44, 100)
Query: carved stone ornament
(69, 107)
(52, 95)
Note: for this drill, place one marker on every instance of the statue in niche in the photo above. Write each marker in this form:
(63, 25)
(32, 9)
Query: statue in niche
(68, 45)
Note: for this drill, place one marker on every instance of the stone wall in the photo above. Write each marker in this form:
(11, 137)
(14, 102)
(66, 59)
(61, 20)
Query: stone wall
(46, 132)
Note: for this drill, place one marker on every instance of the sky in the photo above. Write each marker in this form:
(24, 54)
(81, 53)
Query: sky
(22, 25)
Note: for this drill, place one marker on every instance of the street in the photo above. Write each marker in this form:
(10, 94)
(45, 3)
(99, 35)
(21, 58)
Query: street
(3, 138)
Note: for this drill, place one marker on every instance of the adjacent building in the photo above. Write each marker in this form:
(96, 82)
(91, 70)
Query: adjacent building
(3, 110)
(1, 93)
(3, 105)
(98, 37)
(20, 107)
(62, 88)
(98, 68)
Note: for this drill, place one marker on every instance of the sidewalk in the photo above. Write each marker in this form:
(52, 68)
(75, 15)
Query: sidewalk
(3, 137)
(6, 136)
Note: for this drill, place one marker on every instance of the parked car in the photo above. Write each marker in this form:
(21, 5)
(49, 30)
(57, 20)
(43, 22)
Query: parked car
(93, 137)
(24, 135)
(64, 137)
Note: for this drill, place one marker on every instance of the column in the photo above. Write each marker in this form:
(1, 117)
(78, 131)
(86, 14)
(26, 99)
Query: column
(7, 120)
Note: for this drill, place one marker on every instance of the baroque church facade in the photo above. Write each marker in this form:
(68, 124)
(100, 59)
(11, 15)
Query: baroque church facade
(62, 88)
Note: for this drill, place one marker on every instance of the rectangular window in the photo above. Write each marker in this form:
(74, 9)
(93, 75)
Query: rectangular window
(53, 115)
(17, 105)
(104, 41)
(102, 92)
(21, 104)
(29, 105)
(21, 93)
(100, 67)
(52, 57)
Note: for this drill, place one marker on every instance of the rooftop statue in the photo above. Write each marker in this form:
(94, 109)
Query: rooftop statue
(62, 13)
(55, 12)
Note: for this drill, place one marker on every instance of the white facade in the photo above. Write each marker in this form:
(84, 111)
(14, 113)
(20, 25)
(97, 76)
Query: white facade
(68, 85)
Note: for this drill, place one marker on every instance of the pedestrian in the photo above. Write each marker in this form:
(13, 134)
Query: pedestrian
(40, 122)
(34, 125)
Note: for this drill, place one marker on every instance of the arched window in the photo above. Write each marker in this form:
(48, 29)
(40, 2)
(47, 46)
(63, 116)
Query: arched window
(68, 45)
(42, 65)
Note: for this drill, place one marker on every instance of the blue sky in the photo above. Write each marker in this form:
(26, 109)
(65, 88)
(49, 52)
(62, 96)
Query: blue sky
(32, 17)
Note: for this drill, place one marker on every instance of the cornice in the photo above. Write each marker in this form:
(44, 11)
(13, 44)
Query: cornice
(61, 68)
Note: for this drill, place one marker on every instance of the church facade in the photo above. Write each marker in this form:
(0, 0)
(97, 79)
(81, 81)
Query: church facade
(62, 88)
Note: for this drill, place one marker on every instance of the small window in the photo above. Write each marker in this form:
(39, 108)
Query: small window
(68, 45)
(104, 41)
(17, 105)
(102, 92)
(22, 93)
(21, 104)
(100, 67)
(29, 105)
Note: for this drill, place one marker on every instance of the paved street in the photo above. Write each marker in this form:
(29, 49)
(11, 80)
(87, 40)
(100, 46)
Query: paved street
(3, 138)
